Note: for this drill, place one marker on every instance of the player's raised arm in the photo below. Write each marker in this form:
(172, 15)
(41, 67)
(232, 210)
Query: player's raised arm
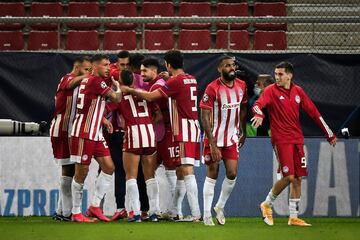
(115, 96)
(148, 96)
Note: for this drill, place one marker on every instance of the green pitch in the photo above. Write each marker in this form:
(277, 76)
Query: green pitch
(235, 228)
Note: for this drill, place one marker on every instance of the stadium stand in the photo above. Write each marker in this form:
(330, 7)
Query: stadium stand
(158, 9)
(239, 40)
(11, 40)
(120, 9)
(194, 40)
(14, 9)
(232, 9)
(195, 9)
(269, 40)
(119, 40)
(82, 40)
(262, 9)
(45, 9)
(159, 39)
(83, 9)
(43, 40)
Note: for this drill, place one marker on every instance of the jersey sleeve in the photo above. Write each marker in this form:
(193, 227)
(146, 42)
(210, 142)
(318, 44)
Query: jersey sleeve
(100, 87)
(170, 88)
(263, 101)
(309, 107)
(208, 99)
(245, 98)
(65, 82)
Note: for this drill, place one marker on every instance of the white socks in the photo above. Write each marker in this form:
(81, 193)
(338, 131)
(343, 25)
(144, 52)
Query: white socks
(152, 190)
(192, 195)
(180, 191)
(132, 193)
(226, 189)
(270, 198)
(171, 179)
(77, 191)
(65, 195)
(208, 195)
(294, 207)
(102, 185)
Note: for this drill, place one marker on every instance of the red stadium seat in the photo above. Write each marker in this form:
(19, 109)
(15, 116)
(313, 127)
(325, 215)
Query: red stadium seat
(43, 40)
(159, 40)
(194, 40)
(239, 40)
(82, 40)
(45, 9)
(158, 9)
(119, 40)
(12, 9)
(269, 9)
(83, 9)
(201, 9)
(120, 10)
(269, 40)
(232, 9)
(11, 41)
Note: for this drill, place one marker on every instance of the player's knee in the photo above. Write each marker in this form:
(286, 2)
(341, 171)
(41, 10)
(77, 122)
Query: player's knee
(291, 178)
(231, 175)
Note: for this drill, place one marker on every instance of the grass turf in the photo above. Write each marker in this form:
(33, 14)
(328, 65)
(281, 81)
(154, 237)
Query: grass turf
(235, 228)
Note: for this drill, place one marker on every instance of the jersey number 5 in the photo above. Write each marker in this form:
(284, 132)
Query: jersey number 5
(193, 98)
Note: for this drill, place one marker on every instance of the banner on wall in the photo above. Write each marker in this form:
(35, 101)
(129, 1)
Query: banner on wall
(29, 179)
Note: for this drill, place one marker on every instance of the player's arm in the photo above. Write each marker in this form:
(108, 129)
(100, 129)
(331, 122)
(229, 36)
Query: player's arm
(157, 116)
(242, 117)
(115, 96)
(206, 123)
(148, 96)
(74, 82)
(309, 107)
(263, 100)
(107, 125)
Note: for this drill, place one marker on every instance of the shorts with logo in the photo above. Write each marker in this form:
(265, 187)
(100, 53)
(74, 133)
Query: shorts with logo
(291, 159)
(61, 150)
(189, 152)
(168, 151)
(82, 150)
(227, 153)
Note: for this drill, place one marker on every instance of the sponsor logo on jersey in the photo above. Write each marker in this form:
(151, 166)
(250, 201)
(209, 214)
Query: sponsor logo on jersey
(285, 169)
(297, 98)
(103, 85)
(205, 97)
(226, 106)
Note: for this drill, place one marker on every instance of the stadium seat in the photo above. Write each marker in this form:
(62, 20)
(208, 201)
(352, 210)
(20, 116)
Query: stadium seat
(198, 9)
(43, 40)
(11, 40)
(119, 40)
(232, 9)
(269, 40)
(15, 9)
(269, 9)
(194, 40)
(159, 39)
(122, 9)
(83, 9)
(45, 9)
(239, 40)
(158, 9)
(82, 40)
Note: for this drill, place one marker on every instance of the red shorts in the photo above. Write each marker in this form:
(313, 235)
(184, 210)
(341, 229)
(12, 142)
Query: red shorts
(189, 152)
(141, 151)
(292, 159)
(227, 153)
(82, 150)
(61, 150)
(168, 151)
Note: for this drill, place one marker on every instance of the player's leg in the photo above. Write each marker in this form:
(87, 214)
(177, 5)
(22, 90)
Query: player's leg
(149, 165)
(144, 200)
(131, 165)
(295, 186)
(68, 172)
(208, 191)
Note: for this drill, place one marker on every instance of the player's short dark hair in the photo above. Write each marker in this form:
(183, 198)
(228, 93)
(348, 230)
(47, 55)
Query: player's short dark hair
(99, 57)
(174, 58)
(289, 68)
(151, 62)
(135, 60)
(81, 59)
(223, 58)
(123, 54)
(127, 77)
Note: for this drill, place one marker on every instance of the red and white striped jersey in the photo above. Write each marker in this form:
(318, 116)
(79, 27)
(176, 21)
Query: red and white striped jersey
(182, 93)
(90, 108)
(65, 104)
(225, 103)
(137, 115)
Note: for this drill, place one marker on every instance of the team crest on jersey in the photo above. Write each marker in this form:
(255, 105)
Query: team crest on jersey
(207, 158)
(285, 169)
(205, 97)
(103, 85)
(297, 98)
(85, 157)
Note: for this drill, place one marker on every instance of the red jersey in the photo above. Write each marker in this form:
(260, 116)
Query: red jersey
(90, 108)
(182, 91)
(283, 107)
(163, 103)
(139, 130)
(65, 101)
(114, 72)
(225, 103)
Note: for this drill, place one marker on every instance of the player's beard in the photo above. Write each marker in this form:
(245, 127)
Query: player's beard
(229, 76)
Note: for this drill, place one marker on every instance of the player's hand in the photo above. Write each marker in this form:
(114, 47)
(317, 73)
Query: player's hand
(215, 153)
(108, 126)
(241, 140)
(124, 89)
(333, 141)
(164, 75)
(115, 83)
(256, 121)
